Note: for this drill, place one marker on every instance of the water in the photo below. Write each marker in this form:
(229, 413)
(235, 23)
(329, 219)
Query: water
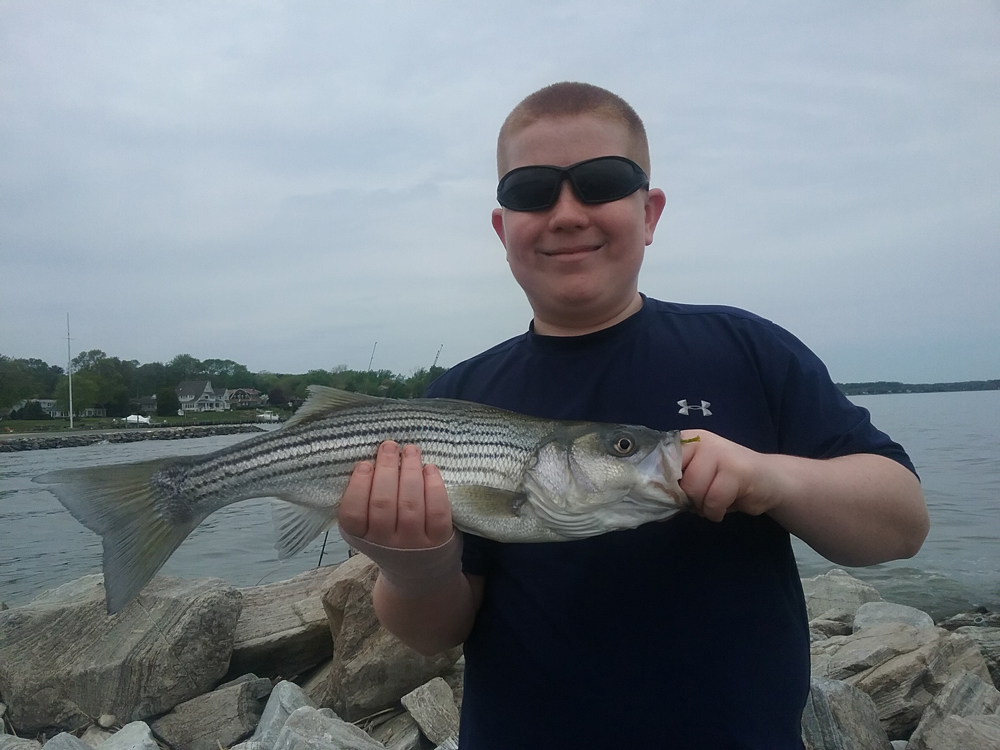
(43, 546)
(954, 441)
(953, 438)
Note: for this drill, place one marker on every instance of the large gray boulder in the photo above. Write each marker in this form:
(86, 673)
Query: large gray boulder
(989, 643)
(133, 736)
(966, 696)
(66, 741)
(401, 732)
(960, 733)
(836, 590)
(10, 742)
(283, 631)
(432, 706)
(870, 614)
(285, 699)
(63, 659)
(309, 729)
(371, 669)
(901, 667)
(840, 717)
(217, 719)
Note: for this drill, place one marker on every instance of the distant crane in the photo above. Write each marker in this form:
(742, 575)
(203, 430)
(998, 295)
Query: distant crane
(436, 356)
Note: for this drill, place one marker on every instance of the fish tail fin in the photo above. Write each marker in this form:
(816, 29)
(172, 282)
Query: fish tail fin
(121, 504)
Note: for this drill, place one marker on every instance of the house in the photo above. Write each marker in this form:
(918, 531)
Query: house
(198, 395)
(48, 406)
(244, 398)
(147, 405)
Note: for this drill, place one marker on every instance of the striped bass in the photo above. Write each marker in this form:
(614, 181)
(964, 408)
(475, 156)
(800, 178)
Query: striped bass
(509, 477)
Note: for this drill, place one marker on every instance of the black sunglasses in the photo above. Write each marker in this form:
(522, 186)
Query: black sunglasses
(600, 180)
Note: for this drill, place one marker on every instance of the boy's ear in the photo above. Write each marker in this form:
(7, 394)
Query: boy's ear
(656, 201)
(498, 225)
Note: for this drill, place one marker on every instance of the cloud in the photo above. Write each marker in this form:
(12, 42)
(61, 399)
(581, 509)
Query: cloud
(284, 185)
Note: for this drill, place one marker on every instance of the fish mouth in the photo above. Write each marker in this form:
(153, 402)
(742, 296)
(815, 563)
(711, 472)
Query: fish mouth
(661, 470)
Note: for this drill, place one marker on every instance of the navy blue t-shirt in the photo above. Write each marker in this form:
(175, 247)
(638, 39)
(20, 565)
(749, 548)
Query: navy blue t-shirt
(680, 634)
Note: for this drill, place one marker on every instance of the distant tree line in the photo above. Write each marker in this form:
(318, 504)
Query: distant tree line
(117, 385)
(889, 386)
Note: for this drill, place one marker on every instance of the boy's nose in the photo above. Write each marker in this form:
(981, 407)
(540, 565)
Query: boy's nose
(568, 210)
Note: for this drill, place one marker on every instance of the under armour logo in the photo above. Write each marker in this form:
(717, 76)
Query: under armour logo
(685, 409)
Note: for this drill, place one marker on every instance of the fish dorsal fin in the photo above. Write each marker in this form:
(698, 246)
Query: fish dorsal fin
(323, 401)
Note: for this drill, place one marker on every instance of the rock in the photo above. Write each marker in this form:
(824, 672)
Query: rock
(286, 698)
(965, 695)
(10, 742)
(958, 733)
(66, 741)
(63, 659)
(133, 736)
(901, 667)
(260, 687)
(217, 719)
(831, 623)
(371, 669)
(989, 643)
(836, 590)
(980, 617)
(898, 744)
(309, 729)
(315, 684)
(455, 677)
(840, 717)
(106, 721)
(283, 630)
(433, 707)
(400, 733)
(877, 613)
(94, 736)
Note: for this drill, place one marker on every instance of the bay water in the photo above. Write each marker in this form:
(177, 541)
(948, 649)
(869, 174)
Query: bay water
(953, 438)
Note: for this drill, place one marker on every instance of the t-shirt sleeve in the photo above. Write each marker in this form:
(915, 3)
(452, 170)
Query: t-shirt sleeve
(813, 416)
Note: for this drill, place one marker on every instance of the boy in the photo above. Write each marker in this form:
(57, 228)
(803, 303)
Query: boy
(685, 634)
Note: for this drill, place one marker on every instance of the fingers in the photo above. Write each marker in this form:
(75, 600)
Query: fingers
(397, 502)
(384, 499)
(352, 515)
(716, 474)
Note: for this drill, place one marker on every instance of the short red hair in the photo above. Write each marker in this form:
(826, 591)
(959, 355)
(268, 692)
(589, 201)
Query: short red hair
(570, 98)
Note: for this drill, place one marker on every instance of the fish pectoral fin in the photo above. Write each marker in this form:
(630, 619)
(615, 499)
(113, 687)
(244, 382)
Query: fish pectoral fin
(297, 523)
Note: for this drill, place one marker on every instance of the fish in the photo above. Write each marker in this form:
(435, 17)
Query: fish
(509, 477)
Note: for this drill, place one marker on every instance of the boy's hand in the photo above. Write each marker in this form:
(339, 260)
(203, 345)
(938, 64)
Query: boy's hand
(721, 476)
(398, 502)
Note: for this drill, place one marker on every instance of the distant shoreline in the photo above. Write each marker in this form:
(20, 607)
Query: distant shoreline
(37, 441)
(880, 387)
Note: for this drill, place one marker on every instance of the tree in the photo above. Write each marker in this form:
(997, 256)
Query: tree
(185, 367)
(276, 397)
(85, 391)
(167, 403)
(31, 410)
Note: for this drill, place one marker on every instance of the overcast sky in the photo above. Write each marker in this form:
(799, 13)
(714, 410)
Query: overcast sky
(284, 184)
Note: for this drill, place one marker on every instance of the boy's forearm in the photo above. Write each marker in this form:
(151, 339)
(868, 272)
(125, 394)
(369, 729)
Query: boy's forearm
(434, 622)
(854, 510)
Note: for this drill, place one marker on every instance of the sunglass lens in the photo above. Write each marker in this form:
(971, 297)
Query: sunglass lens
(604, 180)
(529, 189)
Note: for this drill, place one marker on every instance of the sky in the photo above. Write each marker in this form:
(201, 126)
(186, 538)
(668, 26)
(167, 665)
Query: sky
(307, 185)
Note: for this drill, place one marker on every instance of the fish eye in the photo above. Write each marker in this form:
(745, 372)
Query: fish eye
(623, 445)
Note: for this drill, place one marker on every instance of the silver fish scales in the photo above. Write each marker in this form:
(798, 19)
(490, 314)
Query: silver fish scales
(509, 477)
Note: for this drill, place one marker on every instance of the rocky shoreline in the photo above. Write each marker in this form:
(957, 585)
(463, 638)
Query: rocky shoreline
(303, 664)
(41, 441)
